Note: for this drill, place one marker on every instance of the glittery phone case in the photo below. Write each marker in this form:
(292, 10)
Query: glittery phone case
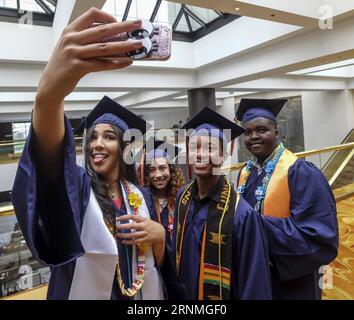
(157, 45)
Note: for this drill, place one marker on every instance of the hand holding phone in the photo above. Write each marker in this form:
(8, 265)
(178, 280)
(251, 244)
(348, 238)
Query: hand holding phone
(156, 39)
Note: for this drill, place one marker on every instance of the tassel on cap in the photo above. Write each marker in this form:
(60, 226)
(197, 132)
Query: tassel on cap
(189, 172)
(142, 166)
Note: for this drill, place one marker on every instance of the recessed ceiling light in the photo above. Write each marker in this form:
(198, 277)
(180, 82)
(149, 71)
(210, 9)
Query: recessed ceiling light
(237, 9)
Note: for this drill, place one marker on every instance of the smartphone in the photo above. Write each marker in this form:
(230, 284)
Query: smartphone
(156, 38)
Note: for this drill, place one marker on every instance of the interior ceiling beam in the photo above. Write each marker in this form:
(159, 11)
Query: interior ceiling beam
(289, 83)
(301, 51)
(252, 10)
(295, 53)
(171, 104)
(137, 99)
(24, 78)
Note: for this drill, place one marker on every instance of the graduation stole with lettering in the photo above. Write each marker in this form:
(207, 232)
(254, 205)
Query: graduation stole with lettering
(216, 253)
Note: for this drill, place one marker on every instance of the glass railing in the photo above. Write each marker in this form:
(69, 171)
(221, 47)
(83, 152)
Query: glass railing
(8, 151)
(11, 151)
(337, 158)
(323, 159)
(340, 167)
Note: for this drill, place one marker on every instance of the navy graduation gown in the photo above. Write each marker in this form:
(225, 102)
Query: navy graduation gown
(175, 290)
(301, 244)
(164, 217)
(51, 217)
(250, 275)
(163, 213)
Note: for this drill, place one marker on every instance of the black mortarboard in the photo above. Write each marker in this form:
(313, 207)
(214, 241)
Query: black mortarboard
(111, 112)
(209, 122)
(250, 109)
(153, 149)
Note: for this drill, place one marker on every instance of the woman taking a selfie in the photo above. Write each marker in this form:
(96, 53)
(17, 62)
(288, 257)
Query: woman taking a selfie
(92, 225)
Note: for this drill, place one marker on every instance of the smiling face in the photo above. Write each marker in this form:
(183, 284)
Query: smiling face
(205, 155)
(104, 151)
(159, 173)
(260, 137)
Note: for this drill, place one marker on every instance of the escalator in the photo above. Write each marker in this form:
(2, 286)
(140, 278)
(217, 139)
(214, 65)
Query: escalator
(340, 166)
(339, 170)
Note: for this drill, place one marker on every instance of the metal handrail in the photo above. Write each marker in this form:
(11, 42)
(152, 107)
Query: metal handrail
(345, 140)
(5, 143)
(341, 167)
(302, 154)
(6, 211)
(19, 142)
(328, 149)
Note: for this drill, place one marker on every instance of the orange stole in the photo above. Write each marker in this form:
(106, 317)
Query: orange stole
(277, 200)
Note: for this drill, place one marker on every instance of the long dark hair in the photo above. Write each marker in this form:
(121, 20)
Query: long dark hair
(98, 184)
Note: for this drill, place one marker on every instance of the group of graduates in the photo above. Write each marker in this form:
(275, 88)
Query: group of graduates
(106, 236)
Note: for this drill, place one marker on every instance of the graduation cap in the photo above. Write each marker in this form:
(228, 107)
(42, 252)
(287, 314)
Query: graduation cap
(161, 149)
(250, 109)
(154, 149)
(111, 112)
(210, 123)
(207, 122)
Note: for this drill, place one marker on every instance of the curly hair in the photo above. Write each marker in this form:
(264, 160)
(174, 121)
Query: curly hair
(98, 184)
(175, 183)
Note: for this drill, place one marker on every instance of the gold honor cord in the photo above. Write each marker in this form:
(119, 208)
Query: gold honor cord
(182, 233)
(220, 238)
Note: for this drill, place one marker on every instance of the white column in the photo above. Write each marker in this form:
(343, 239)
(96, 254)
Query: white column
(68, 10)
(63, 12)
(349, 95)
(326, 120)
(227, 109)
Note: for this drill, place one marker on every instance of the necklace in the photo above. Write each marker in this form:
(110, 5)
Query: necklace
(115, 196)
(162, 202)
(269, 168)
